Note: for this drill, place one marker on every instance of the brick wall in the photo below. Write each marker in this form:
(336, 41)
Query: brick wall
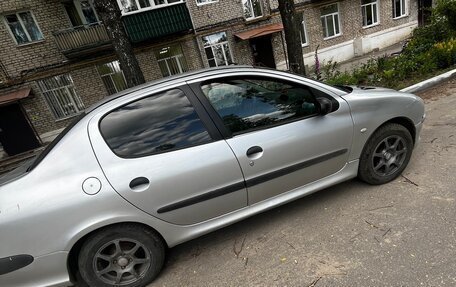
(50, 16)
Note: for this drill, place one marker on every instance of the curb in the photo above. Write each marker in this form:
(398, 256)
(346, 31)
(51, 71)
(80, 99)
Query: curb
(429, 82)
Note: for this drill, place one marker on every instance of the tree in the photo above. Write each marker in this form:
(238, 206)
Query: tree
(109, 12)
(291, 23)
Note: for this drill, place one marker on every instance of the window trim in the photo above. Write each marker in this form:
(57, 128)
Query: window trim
(152, 6)
(406, 9)
(110, 76)
(200, 111)
(48, 104)
(23, 27)
(338, 22)
(251, 9)
(304, 28)
(221, 44)
(206, 2)
(183, 67)
(377, 2)
(226, 133)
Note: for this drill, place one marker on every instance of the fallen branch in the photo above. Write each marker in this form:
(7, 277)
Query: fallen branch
(313, 283)
(409, 181)
(371, 224)
(389, 229)
(237, 252)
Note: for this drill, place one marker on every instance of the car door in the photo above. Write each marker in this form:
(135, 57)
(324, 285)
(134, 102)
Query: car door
(163, 154)
(274, 127)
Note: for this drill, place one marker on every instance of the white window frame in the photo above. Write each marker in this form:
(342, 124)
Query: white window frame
(206, 2)
(23, 27)
(151, 7)
(110, 76)
(213, 52)
(71, 96)
(326, 22)
(179, 58)
(77, 4)
(304, 29)
(365, 7)
(251, 9)
(404, 8)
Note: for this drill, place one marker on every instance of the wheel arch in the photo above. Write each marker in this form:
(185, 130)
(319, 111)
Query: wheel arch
(405, 122)
(72, 259)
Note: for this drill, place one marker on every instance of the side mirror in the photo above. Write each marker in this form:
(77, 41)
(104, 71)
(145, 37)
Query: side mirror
(325, 106)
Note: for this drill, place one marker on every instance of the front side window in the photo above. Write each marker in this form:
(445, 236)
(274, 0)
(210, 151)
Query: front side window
(330, 20)
(61, 97)
(129, 6)
(163, 122)
(112, 77)
(399, 8)
(23, 27)
(369, 11)
(252, 9)
(245, 104)
(303, 33)
(171, 60)
(217, 50)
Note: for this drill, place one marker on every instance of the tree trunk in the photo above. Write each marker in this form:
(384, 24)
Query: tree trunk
(291, 24)
(108, 11)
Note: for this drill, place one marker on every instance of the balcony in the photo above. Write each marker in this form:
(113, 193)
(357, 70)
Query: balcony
(83, 40)
(156, 23)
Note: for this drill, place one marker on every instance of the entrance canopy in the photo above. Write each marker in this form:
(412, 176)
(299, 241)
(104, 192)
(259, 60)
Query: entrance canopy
(260, 31)
(14, 96)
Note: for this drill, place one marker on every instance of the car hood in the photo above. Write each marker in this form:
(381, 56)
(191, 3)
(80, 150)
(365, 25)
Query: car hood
(367, 92)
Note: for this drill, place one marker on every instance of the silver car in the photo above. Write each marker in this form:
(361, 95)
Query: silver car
(168, 161)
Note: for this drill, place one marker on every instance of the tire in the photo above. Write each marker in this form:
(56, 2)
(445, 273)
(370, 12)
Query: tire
(123, 255)
(386, 154)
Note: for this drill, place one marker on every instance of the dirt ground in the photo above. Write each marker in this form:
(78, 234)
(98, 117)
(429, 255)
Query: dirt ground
(399, 234)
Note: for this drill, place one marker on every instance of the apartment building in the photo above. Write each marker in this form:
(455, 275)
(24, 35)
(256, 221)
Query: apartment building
(56, 58)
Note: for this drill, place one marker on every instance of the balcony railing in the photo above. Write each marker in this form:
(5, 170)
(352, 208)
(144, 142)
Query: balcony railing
(157, 23)
(83, 39)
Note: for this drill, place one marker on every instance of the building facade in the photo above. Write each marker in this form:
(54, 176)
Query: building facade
(57, 58)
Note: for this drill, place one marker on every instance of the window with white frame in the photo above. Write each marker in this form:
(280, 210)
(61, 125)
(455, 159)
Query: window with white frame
(369, 11)
(252, 9)
(330, 20)
(131, 6)
(399, 8)
(303, 33)
(203, 2)
(112, 76)
(61, 97)
(23, 27)
(171, 60)
(217, 50)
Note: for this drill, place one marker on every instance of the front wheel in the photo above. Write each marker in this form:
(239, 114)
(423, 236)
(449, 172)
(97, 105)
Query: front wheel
(123, 255)
(386, 154)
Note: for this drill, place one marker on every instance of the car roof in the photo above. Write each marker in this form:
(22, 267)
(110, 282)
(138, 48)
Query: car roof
(175, 78)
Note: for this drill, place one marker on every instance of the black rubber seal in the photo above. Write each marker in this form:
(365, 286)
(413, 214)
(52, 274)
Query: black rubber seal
(13, 263)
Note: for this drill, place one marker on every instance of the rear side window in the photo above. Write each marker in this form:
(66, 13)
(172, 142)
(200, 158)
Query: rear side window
(246, 104)
(159, 123)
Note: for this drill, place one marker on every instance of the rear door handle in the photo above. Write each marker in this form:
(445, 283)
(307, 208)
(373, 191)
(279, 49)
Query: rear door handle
(139, 184)
(254, 152)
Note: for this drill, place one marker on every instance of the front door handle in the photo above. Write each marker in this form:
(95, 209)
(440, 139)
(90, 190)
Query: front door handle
(139, 184)
(254, 152)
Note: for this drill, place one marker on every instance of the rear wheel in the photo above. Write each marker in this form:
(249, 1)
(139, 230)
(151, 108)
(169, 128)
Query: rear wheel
(386, 154)
(123, 255)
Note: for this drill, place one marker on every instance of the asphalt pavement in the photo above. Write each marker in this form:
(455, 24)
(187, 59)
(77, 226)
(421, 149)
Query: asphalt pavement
(399, 234)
